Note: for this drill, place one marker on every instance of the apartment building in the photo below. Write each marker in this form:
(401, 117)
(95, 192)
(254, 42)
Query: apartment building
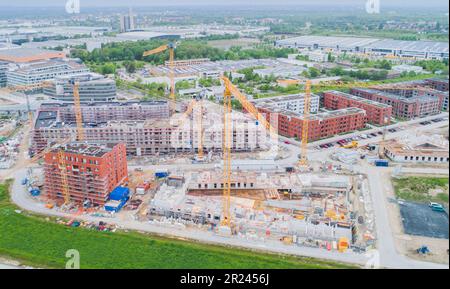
(377, 113)
(293, 102)
(3, 69)
(37, 72)
(149, 136)
(92, 88)
(402, 107)
(92, 169)
(101, 112)
(437, 83)
(321, 125)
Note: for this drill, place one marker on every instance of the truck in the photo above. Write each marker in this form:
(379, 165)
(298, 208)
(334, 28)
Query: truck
(162, 174)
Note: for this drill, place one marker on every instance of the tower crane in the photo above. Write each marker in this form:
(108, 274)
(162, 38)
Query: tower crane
(171, 48)
(232, 90)
(25, 89)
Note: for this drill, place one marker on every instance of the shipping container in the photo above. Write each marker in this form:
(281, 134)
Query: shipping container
(381, 163)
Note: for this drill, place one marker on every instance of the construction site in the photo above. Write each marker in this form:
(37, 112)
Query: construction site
(204, 167)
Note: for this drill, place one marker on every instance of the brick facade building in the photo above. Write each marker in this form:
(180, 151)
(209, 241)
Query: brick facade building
(321, 125)
(402, 107)
(93, 170)
(377, 113)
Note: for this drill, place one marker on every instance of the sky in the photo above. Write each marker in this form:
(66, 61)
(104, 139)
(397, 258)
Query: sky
(111, 3)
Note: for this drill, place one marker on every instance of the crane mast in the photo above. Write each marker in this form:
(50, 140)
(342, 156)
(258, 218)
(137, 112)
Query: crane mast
(171, 48)
(305, 126)
(227, 142)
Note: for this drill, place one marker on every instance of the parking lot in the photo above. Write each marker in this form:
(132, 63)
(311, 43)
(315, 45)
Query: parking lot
(365, 136)
(421, 220)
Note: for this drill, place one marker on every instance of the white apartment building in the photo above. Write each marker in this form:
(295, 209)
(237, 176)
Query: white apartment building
(293, 102)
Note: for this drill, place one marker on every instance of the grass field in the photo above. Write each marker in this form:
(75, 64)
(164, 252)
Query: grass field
(417, 188)
(41, 243)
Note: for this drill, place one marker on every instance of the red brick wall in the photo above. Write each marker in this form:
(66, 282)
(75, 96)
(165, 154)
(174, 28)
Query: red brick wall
(108, 172)
(375, 114)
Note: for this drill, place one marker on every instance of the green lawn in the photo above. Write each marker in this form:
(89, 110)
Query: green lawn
(417, 188)
(42, 243)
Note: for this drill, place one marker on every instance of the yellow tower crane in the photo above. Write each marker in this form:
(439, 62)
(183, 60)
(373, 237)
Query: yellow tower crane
(171, 48)
(25, 89)
(232, 90)
(77, 109)
(199, 126)
(305, 126)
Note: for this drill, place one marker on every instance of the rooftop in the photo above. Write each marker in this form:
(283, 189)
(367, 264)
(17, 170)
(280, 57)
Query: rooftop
(360, 99)
(319, 116)
(94, 149)
(23, 55)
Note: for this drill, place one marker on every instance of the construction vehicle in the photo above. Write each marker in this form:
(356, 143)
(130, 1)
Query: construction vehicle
(423, 250)
(171, 47)
(343, 245)
(352, 145)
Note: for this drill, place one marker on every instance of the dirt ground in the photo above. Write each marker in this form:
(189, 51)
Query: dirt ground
(407, 244)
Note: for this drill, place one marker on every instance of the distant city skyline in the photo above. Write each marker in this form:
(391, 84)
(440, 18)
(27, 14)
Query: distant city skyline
(117, 3)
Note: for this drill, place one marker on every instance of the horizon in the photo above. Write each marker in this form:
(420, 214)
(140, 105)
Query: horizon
(257, 3)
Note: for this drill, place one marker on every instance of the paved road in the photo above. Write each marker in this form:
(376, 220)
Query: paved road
(23, 200)
(389, 257)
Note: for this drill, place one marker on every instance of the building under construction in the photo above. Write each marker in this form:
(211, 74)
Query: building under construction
(91, 170)
(145, 128)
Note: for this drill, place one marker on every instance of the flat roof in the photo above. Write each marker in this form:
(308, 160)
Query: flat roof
(328, 41)
(105, 103)
(94, 149)
(367, 42)
(319, 116)
(22, 55)
(419, 98)
(360, 99)
(421, 46)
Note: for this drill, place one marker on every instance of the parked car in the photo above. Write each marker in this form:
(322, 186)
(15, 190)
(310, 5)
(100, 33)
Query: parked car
(436, 207)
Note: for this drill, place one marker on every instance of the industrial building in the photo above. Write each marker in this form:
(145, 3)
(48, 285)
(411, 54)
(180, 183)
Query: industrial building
(37, 72)
(402, 107)
(92, 87)
(376, 112)
(293, 102)
(371, 46)
(27, 55)
(92, 170)
(418, 149)
(321, 125)
(284, 71)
